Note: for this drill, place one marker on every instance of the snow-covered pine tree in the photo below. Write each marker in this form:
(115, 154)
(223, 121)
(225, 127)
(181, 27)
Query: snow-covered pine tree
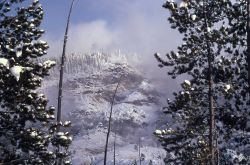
(233, 67)
(214, 46)
(235, 115)
(27, 128)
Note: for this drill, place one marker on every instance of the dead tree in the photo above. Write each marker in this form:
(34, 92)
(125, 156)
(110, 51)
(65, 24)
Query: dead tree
(110, 119)
(59, 105)
(114, 147)
(139, 150)
(61, 76)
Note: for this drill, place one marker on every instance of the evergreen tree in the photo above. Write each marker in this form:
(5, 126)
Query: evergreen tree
(27, 128)
(210, 113)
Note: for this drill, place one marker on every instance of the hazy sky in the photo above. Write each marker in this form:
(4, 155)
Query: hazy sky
(133, 26)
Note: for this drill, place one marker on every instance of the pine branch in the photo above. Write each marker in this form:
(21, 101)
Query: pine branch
(16, 161)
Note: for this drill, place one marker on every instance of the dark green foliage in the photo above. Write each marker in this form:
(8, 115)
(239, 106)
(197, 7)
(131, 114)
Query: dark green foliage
(27, 128)
(225, 37)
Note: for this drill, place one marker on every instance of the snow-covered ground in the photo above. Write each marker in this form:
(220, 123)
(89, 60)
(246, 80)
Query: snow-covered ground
(126, 152)
(89, 85)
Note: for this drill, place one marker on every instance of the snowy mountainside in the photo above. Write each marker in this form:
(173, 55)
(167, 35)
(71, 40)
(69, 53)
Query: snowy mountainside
(88, 87)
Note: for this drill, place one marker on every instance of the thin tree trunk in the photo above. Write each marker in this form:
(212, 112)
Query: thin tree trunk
(62, 68)
(211, 114)
(210, 95)
(110, 119)
(248, 45)
(114, 147)
(218, 152)
(58, 162)
(139, 150)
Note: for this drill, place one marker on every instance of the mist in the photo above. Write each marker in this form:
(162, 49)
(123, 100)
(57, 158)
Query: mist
(133, 27)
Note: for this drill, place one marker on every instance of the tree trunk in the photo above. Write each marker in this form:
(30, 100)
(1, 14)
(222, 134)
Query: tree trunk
(210, 95)
(139, 150)
(62, 68)
(248, 45)
(110, 119)
(114, 147)
(61, 77)
(211, 114)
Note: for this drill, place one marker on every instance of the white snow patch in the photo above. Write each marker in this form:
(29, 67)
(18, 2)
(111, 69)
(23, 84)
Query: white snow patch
(187, 82)
(33, 134)
(42, 42)
(193, 17)
(19, 53)
(158, 132)
(16, 71)
(227, 87)
(208, 29)
(184, 4)
(49, 63)
(5, 62)
(136, 96)
(89, 149)
(146, 86)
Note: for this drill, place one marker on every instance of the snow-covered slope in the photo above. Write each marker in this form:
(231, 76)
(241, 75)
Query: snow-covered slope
(89, 85)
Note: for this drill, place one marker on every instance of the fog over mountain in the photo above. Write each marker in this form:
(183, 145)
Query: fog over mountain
(127, 35)
(88, 88)
(135, 27)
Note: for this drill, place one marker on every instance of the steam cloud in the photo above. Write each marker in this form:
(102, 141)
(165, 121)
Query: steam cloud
(131, 26)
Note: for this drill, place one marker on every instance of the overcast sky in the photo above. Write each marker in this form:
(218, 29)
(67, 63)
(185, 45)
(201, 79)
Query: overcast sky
(133, 26)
